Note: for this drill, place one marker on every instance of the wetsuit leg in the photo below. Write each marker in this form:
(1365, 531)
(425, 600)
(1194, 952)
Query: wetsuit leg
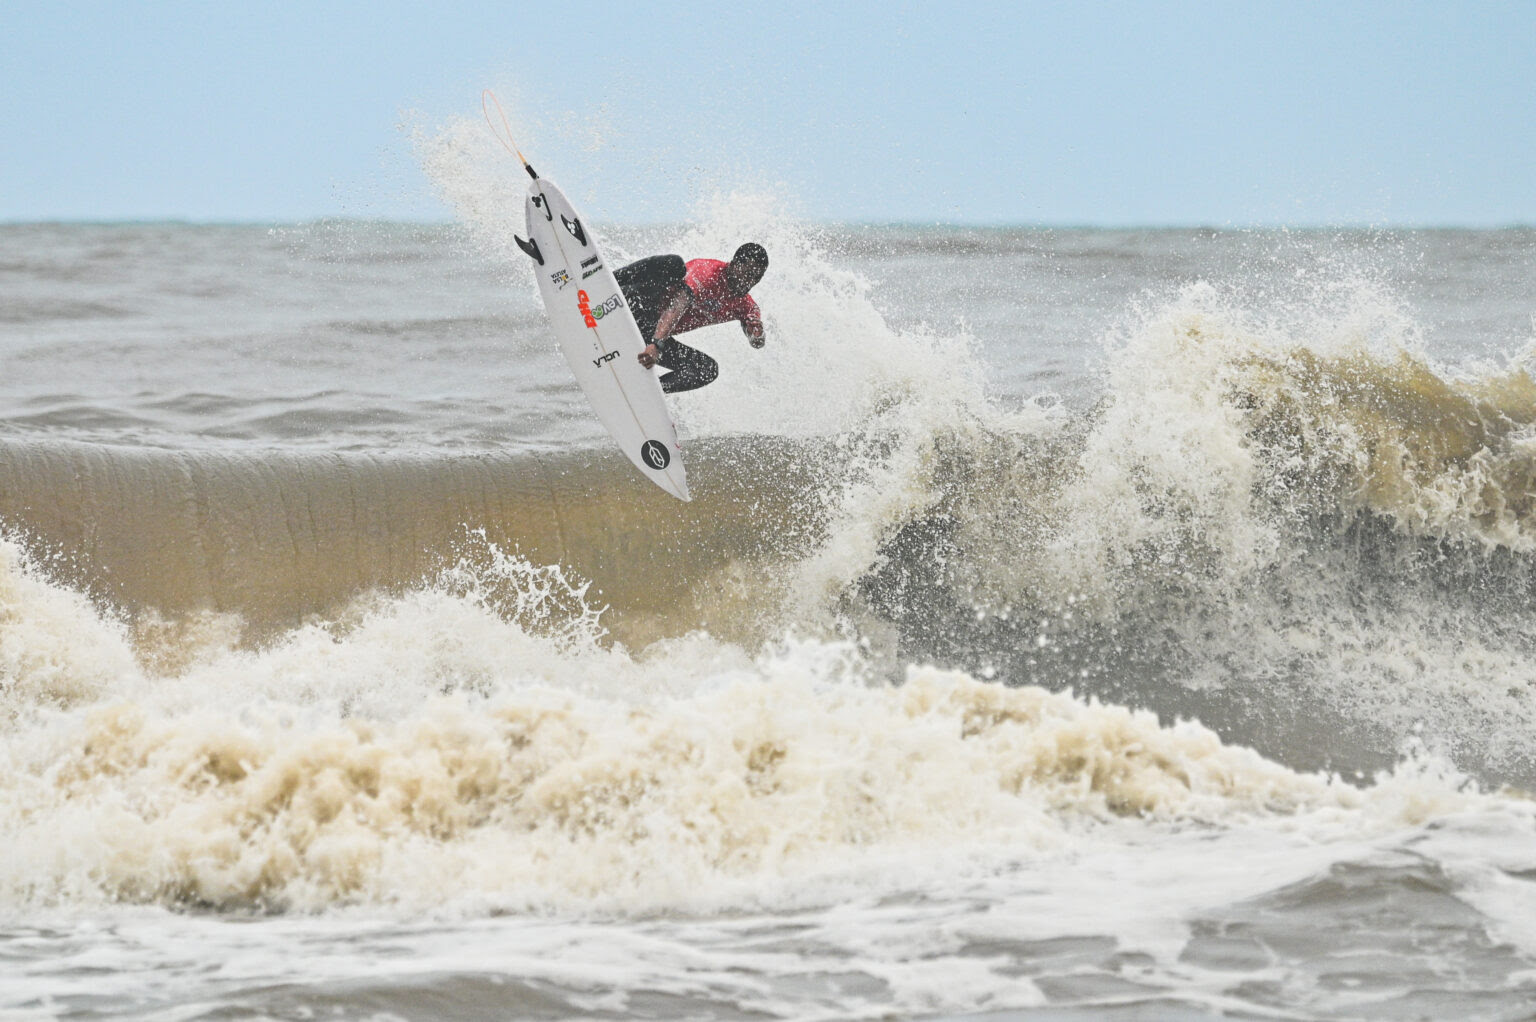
(691, 368)
(648, 285)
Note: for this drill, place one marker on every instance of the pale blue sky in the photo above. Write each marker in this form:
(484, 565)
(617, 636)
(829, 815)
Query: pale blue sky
(1035, 112)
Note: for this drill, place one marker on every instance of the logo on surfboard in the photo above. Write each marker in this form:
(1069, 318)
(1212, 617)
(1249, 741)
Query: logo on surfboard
(590, 314)
(654, 453)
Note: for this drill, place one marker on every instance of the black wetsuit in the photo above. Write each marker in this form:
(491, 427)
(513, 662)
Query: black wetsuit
(649, 285)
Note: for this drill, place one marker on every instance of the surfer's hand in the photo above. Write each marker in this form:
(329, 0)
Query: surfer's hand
(649, 356)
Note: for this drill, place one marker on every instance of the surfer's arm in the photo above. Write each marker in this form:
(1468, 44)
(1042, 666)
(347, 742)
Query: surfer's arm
(752, 324)
(664, 326)
(673, 312)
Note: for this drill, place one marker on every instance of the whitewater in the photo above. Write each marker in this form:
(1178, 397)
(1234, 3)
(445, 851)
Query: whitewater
(1068, 624)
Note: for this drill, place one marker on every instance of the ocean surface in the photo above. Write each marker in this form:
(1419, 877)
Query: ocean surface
(1068, 624)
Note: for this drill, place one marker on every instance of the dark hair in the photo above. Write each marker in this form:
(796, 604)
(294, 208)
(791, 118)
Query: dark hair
(751, 254)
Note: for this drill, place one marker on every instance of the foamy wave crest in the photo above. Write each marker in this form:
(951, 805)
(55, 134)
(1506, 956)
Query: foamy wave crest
(1442, 456)
(1283, 519)
(832, 364)
(535, 598)
(472, 742)
(471, 173)
(1221, 423)
(56, 648)
(771, 774)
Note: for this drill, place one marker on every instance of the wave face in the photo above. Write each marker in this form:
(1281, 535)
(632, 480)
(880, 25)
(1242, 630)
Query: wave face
(276, 538)
(1139, 652)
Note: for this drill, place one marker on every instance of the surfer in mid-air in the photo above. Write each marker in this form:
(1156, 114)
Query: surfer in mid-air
(668, 296)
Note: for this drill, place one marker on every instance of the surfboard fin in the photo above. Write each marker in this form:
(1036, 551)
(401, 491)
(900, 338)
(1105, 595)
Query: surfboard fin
(530, 248)
(574, 226)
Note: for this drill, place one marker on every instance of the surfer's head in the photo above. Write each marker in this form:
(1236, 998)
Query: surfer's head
(747, 267)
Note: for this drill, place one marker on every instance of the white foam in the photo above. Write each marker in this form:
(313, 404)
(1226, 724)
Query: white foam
(431, 752)
(56, 648)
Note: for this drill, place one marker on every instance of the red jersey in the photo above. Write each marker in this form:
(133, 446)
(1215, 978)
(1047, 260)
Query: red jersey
(712, 303)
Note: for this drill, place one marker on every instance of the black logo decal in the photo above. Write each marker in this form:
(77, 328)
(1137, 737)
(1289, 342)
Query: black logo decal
(605, 358)
(590, 261)
(574, 226)
(654, 453)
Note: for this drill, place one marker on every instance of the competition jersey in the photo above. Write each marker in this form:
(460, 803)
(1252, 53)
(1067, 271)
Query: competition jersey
(711, 303)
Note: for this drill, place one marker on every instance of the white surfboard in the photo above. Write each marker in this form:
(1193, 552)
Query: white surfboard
(595, 329)
(598, 335)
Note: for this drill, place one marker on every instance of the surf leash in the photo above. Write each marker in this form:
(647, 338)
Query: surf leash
(504, 136)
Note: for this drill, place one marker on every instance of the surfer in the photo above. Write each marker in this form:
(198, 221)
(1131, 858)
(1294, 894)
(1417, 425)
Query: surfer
(669, 296)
